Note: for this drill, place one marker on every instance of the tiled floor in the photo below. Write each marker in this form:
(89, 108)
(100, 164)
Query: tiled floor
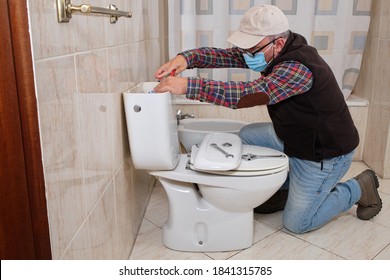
(345, 237)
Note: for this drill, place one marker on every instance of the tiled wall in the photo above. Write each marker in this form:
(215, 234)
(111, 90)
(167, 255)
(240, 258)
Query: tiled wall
(374, 85)
(96, 200)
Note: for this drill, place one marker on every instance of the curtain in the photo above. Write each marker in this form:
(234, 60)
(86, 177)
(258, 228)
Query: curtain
(336, 28)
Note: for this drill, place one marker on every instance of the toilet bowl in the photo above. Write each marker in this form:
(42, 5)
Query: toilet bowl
(213, 190)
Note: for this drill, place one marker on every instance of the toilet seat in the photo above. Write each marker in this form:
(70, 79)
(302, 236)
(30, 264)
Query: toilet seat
(229, 160)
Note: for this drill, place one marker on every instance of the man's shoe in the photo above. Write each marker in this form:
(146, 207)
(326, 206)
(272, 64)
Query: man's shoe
(370, 204)
(274, 204)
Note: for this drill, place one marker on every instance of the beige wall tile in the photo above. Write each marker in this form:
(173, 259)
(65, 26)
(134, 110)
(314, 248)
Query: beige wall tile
(136, 29)
(60, 138)
(92, 72)
(96, 237)
(118, 69)
(384, 28)
(125, 211)
(138, 71)
(376, 8)
(377, 139)
(365, 84)
(373, 84)
(89, 31)
(386, 168)
(97, 131)
(154, 52)
(102, 229)
(48, 37)
(142, 188)
(381, 82)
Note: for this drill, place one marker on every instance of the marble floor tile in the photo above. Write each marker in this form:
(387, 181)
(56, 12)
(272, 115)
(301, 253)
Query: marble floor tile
(146, 226)
(149, 246)
(157, 209)
(283, 246)
(384, 255)
(383, 218)
(350, 238)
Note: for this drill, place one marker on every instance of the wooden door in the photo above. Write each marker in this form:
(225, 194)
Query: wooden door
(24, 231)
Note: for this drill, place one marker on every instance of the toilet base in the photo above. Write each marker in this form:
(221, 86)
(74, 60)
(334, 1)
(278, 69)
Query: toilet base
(194, 225)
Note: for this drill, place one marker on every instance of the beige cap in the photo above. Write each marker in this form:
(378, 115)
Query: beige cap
(257, 23)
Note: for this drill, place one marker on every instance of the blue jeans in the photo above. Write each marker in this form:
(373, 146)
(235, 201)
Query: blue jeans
(315, 194)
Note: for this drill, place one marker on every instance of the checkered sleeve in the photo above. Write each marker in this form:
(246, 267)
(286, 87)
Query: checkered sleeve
(214, 58)
(287, 79)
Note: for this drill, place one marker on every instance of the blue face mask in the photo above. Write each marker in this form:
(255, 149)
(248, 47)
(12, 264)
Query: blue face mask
(256, 62)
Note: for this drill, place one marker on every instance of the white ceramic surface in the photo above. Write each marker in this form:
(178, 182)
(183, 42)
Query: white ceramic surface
(193, 131)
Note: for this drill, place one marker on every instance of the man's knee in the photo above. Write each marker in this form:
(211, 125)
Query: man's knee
(245, 133)
(294, 225)
(252, 133)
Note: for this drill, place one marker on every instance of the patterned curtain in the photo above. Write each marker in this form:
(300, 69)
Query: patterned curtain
(336, 28)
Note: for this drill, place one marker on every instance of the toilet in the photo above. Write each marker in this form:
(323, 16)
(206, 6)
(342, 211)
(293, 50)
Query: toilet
(213, 190)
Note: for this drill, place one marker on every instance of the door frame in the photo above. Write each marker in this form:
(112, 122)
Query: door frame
(24, 227)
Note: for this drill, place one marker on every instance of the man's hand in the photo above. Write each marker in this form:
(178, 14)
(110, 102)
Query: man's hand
(179, 64)
(176, 85)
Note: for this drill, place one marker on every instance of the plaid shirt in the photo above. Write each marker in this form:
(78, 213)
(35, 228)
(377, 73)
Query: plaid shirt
(287, 79)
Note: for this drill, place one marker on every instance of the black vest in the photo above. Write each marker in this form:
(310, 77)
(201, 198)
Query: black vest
(317, 124)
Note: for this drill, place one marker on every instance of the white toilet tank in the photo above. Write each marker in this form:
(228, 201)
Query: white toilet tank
(152, 128)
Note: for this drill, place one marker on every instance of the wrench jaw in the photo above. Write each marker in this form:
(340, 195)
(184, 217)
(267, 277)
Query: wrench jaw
(227, 155)
(248, 157)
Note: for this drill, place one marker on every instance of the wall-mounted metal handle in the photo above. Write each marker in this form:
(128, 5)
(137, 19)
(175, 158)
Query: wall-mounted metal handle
(65, 9)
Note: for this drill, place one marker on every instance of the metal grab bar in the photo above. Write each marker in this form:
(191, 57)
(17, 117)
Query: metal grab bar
(65, 9)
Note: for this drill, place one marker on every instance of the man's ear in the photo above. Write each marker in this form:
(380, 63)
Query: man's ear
(279, 44)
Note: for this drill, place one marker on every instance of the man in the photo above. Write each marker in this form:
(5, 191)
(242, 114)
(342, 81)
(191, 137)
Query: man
(311, 122)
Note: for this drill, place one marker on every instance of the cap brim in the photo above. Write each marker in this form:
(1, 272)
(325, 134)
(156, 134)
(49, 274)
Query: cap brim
(244, 40)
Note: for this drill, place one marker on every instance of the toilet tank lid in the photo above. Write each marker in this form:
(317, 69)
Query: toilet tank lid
(218, 151)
